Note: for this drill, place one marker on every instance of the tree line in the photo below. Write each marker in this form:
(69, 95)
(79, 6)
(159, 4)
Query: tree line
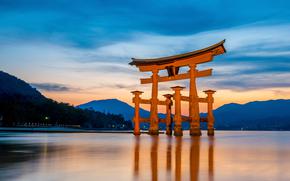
(19, 110)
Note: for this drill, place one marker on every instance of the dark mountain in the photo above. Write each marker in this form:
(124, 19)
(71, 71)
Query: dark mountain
(258, 115)
(113, 106)
(11, 85)
(22, 105)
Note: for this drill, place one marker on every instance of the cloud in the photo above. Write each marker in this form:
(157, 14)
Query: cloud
(258, 81)
(254, 40)
(111, 61)
(254, 50)
(281, 93)
(97, 22)
(117, 86)
(52, 87)
(105, 67)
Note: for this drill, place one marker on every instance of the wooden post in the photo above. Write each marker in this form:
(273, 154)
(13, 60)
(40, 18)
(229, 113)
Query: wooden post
(136, 119)
(210, 117)
(154, 130)
(177, 115)
(168, 114)
(193, 103)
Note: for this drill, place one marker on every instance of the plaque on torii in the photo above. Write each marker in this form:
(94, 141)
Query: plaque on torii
(172, 64)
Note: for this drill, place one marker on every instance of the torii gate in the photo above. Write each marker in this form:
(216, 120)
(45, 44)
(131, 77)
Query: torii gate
(172, 65)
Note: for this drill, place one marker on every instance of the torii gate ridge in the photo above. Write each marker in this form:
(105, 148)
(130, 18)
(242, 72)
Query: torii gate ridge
(172, 64)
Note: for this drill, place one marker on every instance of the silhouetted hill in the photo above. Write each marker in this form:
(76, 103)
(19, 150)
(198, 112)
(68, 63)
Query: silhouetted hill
(22, 105)
(257, 115)
(11, 85)
(113, 106)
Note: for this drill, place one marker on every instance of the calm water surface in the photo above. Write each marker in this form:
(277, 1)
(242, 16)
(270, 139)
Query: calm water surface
(228, 156)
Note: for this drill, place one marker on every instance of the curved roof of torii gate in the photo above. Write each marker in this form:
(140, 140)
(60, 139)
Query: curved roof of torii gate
(165, 60)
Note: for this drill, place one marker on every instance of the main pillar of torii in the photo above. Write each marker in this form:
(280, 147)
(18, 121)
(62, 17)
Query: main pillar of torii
(172, 64)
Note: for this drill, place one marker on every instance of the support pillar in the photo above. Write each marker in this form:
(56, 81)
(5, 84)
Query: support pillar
(210, 117)
(168, 114)
(177, 115)
(154, 130)
(193, 103)
(136, 119)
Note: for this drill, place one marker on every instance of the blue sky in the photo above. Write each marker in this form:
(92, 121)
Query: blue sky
(75, 51)
(87, 24)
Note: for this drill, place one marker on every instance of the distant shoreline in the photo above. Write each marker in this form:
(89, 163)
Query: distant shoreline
(80, 130)
(60, 130)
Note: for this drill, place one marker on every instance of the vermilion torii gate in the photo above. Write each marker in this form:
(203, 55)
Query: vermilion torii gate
(172, 65)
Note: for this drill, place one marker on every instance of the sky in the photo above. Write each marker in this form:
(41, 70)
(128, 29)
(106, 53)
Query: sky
(78, 51)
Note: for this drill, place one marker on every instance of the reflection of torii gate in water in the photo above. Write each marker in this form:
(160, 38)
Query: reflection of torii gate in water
(172, 65)
(191, 156)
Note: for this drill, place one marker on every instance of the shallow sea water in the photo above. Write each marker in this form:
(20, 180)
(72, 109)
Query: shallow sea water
(237, 155)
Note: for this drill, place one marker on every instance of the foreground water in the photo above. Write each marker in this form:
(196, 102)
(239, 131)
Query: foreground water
(79, 156)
